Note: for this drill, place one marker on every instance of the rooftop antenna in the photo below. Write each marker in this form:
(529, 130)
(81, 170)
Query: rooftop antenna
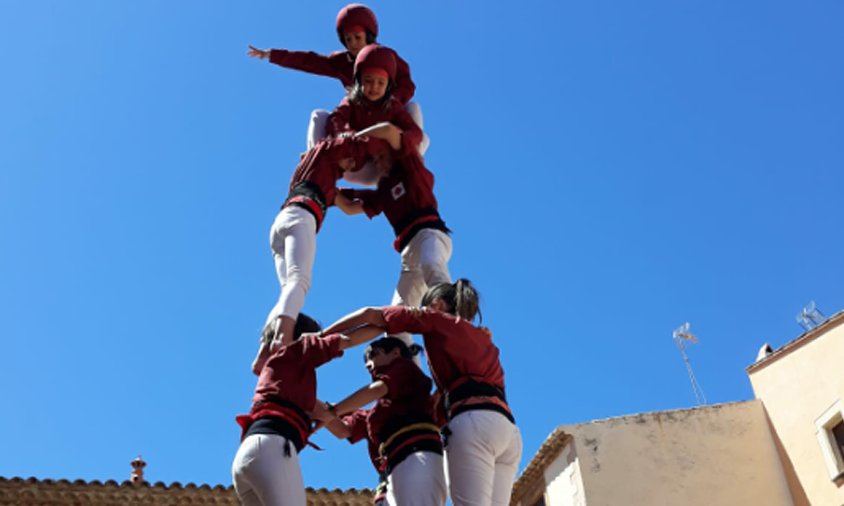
(681, 336)
(810, 317)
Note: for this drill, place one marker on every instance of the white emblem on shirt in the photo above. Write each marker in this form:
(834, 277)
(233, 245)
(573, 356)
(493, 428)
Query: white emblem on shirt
(398, 191)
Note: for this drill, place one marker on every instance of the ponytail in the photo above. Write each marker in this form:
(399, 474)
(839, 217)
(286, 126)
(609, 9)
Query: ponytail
(461, 298)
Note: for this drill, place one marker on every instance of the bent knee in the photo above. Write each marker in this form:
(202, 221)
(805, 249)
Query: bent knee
(317, 114)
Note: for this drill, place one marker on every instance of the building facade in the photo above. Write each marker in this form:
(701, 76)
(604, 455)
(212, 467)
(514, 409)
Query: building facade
(801, 386)
(784, 448)
(720, 455)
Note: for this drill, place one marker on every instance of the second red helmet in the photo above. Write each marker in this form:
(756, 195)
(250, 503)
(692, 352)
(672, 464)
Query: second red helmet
(375, 56)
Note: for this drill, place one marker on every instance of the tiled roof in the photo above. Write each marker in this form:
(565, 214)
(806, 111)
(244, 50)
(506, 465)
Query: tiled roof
(531, 484)
(33, 491)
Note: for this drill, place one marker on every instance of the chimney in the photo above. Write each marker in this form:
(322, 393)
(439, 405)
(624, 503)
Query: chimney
(138, 466)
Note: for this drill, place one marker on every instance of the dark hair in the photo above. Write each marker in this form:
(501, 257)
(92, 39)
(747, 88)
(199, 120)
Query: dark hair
(390, 343)
(357, 98)
(461, 298)
(370, 37)
(305, 324)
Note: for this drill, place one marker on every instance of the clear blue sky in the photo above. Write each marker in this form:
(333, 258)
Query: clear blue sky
(611, 169)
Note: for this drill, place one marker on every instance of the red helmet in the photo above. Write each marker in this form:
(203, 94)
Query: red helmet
(356, 15)
(375, 56)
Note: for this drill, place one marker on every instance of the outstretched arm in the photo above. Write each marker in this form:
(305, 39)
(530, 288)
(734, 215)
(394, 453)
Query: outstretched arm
(360, 335)
(306, 61)
(261, 54)
(361, 397)
(328, 413)
(372, 316)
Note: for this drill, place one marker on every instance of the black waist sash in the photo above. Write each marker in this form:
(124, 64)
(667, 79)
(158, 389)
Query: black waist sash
(472, 388)
(301, 194)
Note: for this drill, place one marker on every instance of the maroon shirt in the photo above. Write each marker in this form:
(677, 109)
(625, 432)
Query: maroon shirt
(405, 194)
(358, 431)
(408, 400)
(290, 373)
(354, 117)
(455, 348)
(341, 65)
(408, 187)
(320, 165)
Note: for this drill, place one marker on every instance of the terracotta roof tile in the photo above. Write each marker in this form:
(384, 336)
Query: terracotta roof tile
(46, 492)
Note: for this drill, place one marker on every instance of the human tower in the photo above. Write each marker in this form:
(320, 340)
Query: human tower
(374, 138)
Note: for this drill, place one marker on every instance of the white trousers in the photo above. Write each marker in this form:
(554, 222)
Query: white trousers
(482, 457)
(316, 127)
(415, 111)
(368, 174)
(424, 263)
(293, 242)
(419, 480)
(264, 476)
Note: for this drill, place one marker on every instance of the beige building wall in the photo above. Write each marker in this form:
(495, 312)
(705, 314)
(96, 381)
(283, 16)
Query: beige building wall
(799, 385)
(565, 484)
(720, 455)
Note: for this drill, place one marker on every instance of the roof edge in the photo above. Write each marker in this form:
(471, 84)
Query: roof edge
(548, 451)
(798, 342)
(161, 485)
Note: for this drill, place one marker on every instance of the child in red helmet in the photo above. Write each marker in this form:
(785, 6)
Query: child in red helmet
(356, 28)
(370, 103)
(293, 233)
(404, 442)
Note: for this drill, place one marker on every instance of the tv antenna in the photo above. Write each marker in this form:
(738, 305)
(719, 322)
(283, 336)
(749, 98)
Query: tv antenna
(810, 317)
(681, 337)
